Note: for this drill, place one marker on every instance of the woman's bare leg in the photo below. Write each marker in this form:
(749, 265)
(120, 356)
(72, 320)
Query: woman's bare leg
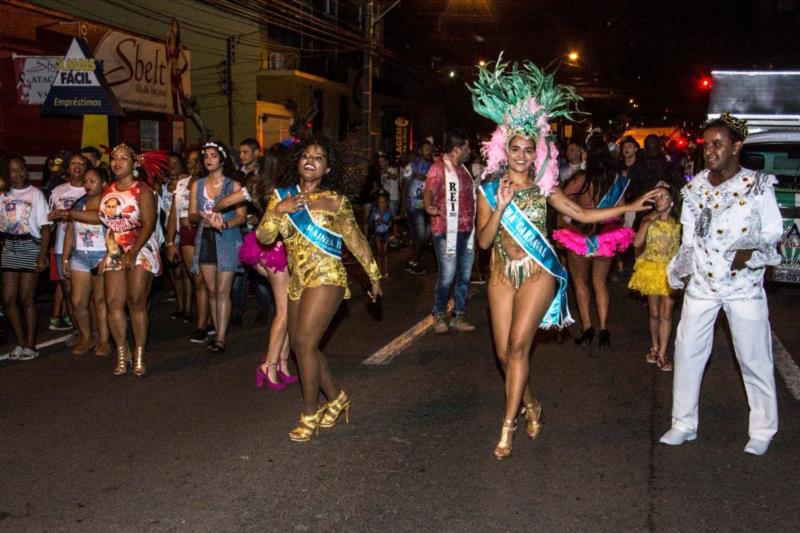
(501, 308)
(601, 266)
(139, 281)
(11, 282)
(80, 294)
(209, 273)
(116, 290)
(200, 291)
(531, 301)
(579, 267)
(279, 282)
(222, 299)
(27, 300)
(100, 311)
(309, 318)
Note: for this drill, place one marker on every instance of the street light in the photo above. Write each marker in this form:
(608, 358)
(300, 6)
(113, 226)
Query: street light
(571, 57)
(481, 63)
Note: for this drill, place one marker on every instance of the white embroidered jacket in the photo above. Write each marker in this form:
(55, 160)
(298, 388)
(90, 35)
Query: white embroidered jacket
(739, 214)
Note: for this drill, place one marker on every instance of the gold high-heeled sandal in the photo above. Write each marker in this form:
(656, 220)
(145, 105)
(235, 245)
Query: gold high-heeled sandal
(503, 448)
(138, 363)
(123, 360)
(533, 419)
(309, 424)
(334, 409)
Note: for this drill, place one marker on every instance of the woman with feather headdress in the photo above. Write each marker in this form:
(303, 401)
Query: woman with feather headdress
(527, 288)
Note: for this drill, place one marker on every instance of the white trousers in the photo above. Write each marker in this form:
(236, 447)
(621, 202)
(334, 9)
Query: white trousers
(752, 341)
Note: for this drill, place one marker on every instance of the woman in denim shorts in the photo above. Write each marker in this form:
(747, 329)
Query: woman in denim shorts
(84, 250)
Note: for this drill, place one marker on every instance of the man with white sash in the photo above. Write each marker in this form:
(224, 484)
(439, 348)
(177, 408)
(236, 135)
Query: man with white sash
(449, 199)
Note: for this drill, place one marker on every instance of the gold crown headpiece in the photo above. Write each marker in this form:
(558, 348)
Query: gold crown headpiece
(739, 125)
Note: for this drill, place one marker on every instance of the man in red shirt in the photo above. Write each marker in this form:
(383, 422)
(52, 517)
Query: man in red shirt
(449, 199)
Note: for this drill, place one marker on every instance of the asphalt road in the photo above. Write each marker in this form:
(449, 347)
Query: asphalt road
(196, 447)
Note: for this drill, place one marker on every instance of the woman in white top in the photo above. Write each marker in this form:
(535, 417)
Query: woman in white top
(23, 221)
(84, 250)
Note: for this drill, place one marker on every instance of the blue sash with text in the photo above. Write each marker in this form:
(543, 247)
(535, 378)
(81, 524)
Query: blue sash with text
(609, 199)
(323, 238)
(530, 239)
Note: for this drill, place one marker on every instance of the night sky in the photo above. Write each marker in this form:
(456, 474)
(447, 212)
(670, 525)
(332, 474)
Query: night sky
(654, 52)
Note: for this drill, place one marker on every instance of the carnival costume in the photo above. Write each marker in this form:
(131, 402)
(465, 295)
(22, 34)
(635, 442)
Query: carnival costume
(741, 213)
(120, 211)
(611, 237)
(650, 270)
(313, 240)
(255, 254)
(523, 101)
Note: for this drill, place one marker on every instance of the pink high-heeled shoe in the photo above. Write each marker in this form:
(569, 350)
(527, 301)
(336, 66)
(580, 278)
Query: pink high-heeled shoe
(286, 378)
(262, 377)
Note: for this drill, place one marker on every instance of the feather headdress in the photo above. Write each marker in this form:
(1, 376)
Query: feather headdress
(152, 163)
(522, 101)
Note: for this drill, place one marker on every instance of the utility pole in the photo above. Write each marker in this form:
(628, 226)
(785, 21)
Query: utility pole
(230, 57)
(366, 79)
(371, 19)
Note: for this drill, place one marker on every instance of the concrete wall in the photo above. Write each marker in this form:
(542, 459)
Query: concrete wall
(204, 30)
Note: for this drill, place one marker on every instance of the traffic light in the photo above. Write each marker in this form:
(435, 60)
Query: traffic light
(705, 83)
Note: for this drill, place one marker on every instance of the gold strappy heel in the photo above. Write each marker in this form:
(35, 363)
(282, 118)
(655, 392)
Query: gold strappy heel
(334, 409)
(139, 369)
(309, 424)
(123, 360)
(503, 448)
(533, 419)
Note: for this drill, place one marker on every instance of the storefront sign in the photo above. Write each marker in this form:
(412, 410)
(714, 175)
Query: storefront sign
(34, 76)
(401, 142)
(146, 75)
(79, 87)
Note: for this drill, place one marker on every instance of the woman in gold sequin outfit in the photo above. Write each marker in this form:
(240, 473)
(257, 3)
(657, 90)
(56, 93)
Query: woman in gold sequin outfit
(520, 290)
(318, 280)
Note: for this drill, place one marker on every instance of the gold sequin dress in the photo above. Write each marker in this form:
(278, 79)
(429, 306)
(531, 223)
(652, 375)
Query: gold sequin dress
(504, 269)
(309, 266)
(650, 270)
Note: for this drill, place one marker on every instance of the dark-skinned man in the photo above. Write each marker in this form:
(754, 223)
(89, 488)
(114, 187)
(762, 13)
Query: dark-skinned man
(731, 226)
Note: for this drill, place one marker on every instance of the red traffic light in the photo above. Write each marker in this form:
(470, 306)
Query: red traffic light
(705, 83)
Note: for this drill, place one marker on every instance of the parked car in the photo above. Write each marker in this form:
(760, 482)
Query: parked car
(778, 153)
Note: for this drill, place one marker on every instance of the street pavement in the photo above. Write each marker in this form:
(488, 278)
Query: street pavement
(195, 446)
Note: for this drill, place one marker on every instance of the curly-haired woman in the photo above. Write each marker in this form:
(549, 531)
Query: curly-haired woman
(315, 218)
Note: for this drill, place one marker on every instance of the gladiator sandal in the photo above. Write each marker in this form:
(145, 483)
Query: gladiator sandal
(309, 424)
(123, 360)
(138, 363)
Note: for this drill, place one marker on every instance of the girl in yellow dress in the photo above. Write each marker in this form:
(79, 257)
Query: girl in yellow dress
(660, 234)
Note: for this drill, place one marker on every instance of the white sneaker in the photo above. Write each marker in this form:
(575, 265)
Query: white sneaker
(757, 447)
(676, 436)
(16, 353)
(28, 354)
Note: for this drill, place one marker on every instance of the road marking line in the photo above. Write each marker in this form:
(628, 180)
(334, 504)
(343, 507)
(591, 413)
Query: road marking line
(385, 355)
(51, 342)
(787, 368)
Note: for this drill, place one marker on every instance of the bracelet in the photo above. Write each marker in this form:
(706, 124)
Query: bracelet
(170, 244)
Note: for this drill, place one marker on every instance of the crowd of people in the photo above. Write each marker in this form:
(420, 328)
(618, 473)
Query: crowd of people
(283, 220)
